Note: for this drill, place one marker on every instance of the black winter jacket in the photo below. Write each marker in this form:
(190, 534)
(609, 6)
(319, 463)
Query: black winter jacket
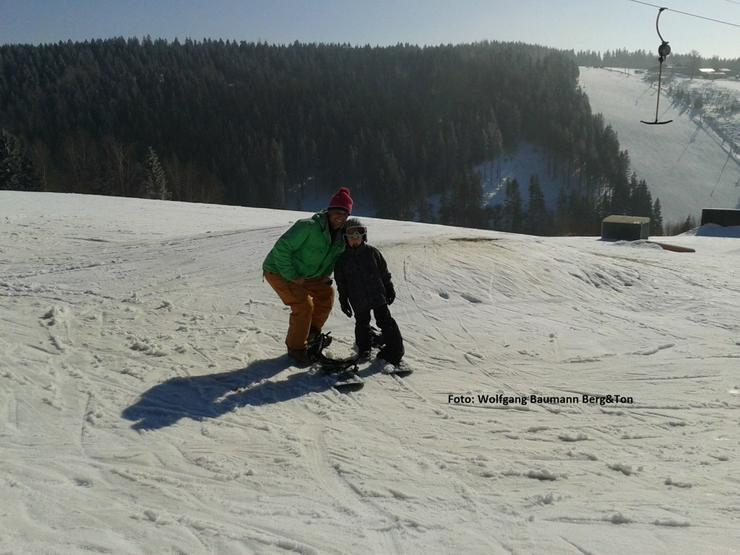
(362, 276)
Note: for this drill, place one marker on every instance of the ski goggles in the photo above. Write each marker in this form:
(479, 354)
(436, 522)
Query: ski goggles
(355, 233)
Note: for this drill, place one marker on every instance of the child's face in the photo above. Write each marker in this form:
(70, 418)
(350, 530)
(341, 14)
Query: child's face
(354, 241)
(354, 236)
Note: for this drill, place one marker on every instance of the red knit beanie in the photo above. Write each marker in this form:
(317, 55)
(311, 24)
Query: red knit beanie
(341, 199)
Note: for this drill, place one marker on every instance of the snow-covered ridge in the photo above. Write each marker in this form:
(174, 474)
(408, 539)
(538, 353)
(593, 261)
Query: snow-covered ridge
(127, 324)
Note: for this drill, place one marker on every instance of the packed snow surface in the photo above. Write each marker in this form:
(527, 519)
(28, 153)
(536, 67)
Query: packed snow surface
(146, 405)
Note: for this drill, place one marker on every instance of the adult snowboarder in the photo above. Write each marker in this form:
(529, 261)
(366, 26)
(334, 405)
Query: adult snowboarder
(298, 269)
(364, 285)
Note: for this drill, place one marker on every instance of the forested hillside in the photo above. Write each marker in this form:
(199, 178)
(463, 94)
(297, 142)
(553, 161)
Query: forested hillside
(252, 123)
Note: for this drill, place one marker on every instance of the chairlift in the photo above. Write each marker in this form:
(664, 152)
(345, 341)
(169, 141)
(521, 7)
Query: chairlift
(663, 51)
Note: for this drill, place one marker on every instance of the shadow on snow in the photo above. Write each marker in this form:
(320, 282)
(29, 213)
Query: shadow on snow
(212, 395)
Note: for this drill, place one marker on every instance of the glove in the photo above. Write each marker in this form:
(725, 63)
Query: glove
(390, 294)
(346, 308)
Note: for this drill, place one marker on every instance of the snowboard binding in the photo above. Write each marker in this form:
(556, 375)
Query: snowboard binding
(315, 346)
(317, 342)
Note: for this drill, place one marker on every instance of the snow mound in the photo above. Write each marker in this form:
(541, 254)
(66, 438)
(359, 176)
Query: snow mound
(714, 230)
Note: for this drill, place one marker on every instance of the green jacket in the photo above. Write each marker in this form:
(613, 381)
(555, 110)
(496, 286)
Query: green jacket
(305, 250)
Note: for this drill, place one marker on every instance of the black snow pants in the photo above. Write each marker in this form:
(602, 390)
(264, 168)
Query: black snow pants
(393, 349)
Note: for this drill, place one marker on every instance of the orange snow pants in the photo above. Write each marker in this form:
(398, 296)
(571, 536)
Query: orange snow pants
(310, 305)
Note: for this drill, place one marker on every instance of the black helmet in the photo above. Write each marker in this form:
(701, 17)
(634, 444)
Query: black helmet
(355, 227)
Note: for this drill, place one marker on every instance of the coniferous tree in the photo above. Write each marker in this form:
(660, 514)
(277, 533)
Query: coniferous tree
(155, 181)
(562, 220)
(640, 201)
(689, 224)
(121, 169)
(16, 169)
(276, 175)
(537, 220)
(656, 219)
(512, 213)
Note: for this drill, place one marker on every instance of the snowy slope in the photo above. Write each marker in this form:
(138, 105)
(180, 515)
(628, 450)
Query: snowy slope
(127, 323)
(685, 163)
(720, 104)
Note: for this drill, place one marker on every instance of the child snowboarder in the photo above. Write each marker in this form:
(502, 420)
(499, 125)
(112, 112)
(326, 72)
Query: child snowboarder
(364, 284)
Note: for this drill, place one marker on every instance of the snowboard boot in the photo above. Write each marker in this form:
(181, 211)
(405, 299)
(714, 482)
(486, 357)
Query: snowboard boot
(388, 358)
(302, 357)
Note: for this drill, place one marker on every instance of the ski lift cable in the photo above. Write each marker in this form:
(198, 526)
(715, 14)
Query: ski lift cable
(687, 13)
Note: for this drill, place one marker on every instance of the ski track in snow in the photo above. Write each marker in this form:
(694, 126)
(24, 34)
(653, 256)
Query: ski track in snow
(146, 404)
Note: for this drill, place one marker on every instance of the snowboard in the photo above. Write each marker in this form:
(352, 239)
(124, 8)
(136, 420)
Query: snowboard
(341, 373)
(344, 381)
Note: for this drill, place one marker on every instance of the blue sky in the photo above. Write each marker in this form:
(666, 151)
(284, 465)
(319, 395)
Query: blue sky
(578, 24)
